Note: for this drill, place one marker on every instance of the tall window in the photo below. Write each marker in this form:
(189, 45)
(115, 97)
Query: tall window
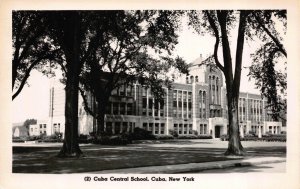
(217, 91)
(144, 106)
(150, 106)
(129, 109)
(200, 103)
(129, 90)
(115, 108)
(204, 105)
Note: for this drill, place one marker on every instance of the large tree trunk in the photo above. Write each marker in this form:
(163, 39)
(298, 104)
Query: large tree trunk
(234, 144)
(70, 146)
(71, 46)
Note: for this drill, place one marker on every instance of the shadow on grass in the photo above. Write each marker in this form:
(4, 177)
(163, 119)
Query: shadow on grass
(98, 158)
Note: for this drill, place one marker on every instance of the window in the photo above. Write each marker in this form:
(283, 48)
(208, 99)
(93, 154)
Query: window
(122, 108)
(115, 108)
(150, 106)
(156, 128)
(125, 127)
(180, 129)
(150, 126)
(184, 95)
(117, 127)
(184, 104)
(190, 129)
(201, 129)
(129, 90)
(162, 108)
(122, 91)
(129, 109)
(162, 128)
(174, 113)
(41, 125)
(150, 103)
(145, 126)
(144, 102)
(109, 127)
(144, 92)
(175, 104)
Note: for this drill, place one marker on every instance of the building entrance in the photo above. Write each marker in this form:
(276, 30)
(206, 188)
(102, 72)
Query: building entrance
(217, 131)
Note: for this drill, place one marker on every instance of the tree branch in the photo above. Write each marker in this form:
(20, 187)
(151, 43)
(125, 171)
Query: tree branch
(216, 32)
(239, 50)
(86, 104)
(276, 41)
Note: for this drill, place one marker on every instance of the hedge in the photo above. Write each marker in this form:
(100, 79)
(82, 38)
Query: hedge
(267, 138)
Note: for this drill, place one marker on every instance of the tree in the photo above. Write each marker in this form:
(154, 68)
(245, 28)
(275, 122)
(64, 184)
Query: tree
(271, 81)
(78, 33)
(28, 122)
(68, 29)
(32, 49)
(220, 24)
(125, 57)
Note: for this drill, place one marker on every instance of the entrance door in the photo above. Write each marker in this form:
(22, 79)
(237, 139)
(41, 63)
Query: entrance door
(217, 131)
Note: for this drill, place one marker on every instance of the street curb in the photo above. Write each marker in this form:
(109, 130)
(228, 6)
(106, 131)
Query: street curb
(193, 167)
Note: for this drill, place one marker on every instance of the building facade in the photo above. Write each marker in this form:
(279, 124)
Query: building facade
(196, 104)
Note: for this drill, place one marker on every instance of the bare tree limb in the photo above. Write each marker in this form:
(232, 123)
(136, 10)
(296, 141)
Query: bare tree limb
(216, 32)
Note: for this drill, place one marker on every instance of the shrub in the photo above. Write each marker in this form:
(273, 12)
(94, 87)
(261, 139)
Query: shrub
(187, 137)
(173, 133)
(205, 136)
(56, 137)
(164, 137)
(141, 134)
(121, 139)
(18, 140)
(224, 137)
(85, 139)
(195, 132)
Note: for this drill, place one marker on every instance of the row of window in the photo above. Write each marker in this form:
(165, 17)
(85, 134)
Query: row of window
(119, 127)
(202, 104)
(203, 129)
(214, 89)
(182, 104)
(183, 128)
(119, 108)
(155, 128)
(152, 107)
(274, 129)
(126, 90)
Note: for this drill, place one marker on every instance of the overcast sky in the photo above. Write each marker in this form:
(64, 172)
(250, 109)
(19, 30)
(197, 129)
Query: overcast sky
(33, 101)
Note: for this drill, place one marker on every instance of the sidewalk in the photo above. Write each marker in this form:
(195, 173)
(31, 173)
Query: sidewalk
(194, 167)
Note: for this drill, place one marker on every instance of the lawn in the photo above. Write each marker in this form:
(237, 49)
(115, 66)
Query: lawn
(98, 157)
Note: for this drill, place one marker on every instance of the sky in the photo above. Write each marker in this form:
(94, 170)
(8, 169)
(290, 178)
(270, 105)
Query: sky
(33, 101)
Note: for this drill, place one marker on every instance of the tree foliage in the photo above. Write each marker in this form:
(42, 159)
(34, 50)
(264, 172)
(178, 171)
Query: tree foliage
(28, 122)
(271, 54)
(32, 48)
(141, 52)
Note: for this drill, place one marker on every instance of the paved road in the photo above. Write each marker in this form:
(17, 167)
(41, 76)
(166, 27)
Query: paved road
(264, 168)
